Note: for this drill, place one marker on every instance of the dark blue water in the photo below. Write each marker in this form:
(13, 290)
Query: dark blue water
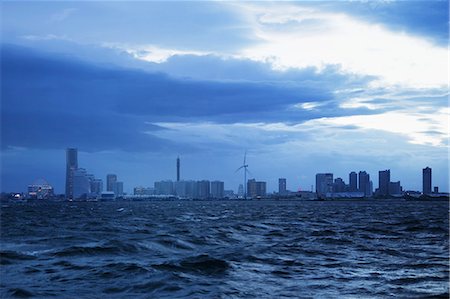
(225, 249)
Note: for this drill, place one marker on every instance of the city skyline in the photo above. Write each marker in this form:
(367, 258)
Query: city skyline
(81, 184)
(304, 87)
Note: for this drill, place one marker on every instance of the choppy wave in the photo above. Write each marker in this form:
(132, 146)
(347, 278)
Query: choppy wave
(225, 249)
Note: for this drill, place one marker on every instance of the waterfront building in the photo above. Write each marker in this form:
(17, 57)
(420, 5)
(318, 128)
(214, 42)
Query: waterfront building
(352, 182)
(426, 180)
(395, 188)
(71, 166)
(365, 184)
(203, 189)
(164, 188)
(111, 180)
(180, 188)
(143, 191)
(118, 188)
(282, 186)
(324, 183)
(339, 185)
(40, 189)
(81, 184)
(107, 196)
(436, 189)
(96, 187)
(217, 189)
(384, 178)
(256, 189)
(191, 189)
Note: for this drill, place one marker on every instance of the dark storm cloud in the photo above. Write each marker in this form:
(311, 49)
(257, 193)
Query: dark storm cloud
(54, 101)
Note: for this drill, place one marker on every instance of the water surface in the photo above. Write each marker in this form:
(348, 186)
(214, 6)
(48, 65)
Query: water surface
(225, 249)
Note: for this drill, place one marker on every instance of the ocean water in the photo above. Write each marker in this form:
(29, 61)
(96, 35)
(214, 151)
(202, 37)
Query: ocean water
(225, 249)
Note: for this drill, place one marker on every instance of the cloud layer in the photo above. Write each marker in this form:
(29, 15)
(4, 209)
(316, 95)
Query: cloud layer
(303, 86)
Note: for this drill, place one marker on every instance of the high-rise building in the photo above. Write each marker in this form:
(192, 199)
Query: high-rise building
(324, 183)
(217, 189)
(96, 187)
(339, 185)
(426, 180)
(395, 188)
(282, 186)
(81, 184)
(111, 180)
(71, 166)
(256, 189)
(203, 189)
(352, 182)
(364, 184)
(384, 178)
(180, 188)
(164, 188)
(191, 189)
(178, 169)
(118, 188)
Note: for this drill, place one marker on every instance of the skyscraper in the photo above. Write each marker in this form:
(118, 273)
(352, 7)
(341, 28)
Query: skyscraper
(191, 189)
(164, 187)
(384, 179)
(71, 167)
(364, 183)
(111, 180)
(324, 183)
(256, 189)
(217, 189)
(178, 169)
(203, 189)
(118, 188)
(352, 182)
(180, 188)
(282, 186)
(426, 180)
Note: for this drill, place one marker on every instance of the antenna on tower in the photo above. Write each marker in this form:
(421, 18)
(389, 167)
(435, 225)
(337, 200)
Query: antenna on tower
(245, 167)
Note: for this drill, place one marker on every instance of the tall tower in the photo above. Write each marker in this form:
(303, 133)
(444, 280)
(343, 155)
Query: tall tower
(178, 169)
(71, 167)
(384, 179)
(282, 186)
(364, 183)
(426, 180)
(353, 185)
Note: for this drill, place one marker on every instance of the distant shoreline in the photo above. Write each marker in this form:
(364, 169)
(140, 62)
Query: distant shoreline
(434, 199)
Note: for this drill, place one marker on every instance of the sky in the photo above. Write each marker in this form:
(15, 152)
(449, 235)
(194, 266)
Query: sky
(302, 87)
